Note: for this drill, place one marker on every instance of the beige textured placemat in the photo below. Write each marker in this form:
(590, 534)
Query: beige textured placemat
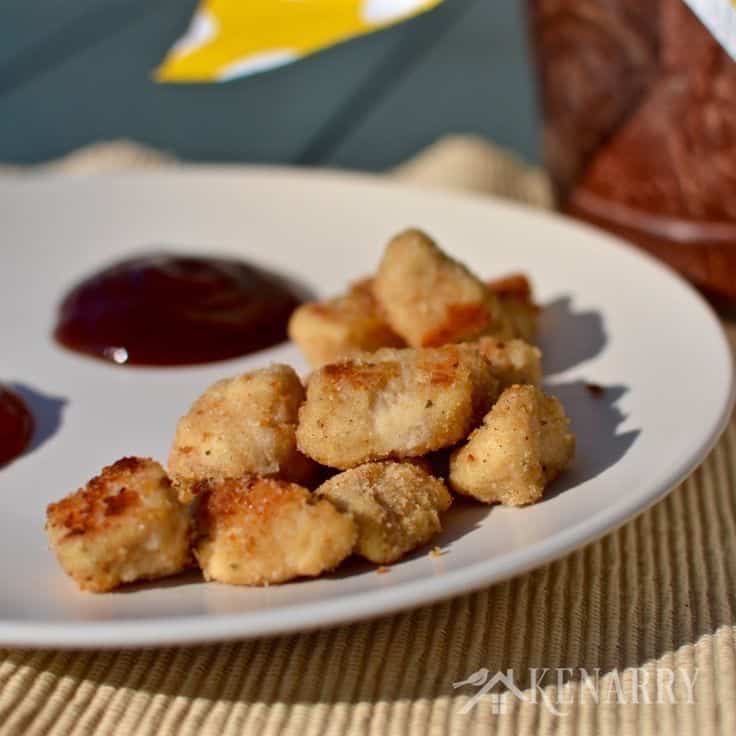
(645, 619)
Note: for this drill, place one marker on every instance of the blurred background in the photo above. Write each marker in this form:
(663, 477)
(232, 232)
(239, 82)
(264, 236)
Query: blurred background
(80, 71)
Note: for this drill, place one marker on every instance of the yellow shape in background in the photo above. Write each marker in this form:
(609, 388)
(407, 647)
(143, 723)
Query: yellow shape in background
(232, 38)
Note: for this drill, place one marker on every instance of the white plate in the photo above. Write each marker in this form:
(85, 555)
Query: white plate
(612, 317)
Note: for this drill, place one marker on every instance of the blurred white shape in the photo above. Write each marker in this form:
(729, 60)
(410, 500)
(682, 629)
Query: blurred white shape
(202, 29)
(254, 63)
(117, 355)
(384, 11)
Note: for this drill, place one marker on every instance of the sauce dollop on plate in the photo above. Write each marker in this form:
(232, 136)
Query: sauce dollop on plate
(165, 309)
(16, 425)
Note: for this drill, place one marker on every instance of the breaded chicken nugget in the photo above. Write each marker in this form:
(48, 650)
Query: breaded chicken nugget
(512, 286)
(524, 443)
(512, 361)
(124, 525)
(515, 296)
(557, 441)
(430, 299)
(241, 426)
(485, 387)
(258, 531)
(394, 404)
(337, 328)
(396, 507)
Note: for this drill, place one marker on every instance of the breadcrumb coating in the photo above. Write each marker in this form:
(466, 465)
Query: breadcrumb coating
(524, 443)
(428, 298)
(396, 507)
(513, 285)
(126, 524)
(516, 299)
(260, 531)
(512, 361)
(241, 426)
(339, 327)
(394, 404)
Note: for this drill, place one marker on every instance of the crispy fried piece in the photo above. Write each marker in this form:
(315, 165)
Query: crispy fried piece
(241, 426)
(126, 524)
(522, 319)
(393, 404)
(512, 285)
(485, 388)
(334, 329)
(515, 296)
(258, 531)
(423, 463)
(430, 299)
(512, 361)
(557, 441)
(525, 442)
(396, 507)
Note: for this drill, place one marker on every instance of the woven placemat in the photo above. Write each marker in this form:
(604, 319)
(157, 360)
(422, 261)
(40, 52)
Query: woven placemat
(644, 622)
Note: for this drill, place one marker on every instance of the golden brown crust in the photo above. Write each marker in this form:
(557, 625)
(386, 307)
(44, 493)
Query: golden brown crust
(330, 330)
(516, 299)
(512, 361)
(513, 285)
(126, 524)
(261, 531)
(396, 507)
(393, 404)
(241, 426)
(428, 298)
(525, 441)
(91, 508)
(557, 442)
(370, 377)
(461, 321)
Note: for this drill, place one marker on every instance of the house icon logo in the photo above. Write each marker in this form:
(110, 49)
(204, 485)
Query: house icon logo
(566, 685)
(482, 680)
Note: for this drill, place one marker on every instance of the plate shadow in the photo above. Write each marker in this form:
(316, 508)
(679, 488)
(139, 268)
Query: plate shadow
(47, 411)
(567, 337)
(595, 421)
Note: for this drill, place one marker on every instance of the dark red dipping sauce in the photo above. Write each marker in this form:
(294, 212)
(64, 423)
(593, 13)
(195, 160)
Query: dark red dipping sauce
(16, 425)
(163, 309)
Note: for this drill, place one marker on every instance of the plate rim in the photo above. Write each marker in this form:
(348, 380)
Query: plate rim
(302, 617)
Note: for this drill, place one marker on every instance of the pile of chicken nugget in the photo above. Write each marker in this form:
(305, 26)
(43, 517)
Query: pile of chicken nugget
(425, 384)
